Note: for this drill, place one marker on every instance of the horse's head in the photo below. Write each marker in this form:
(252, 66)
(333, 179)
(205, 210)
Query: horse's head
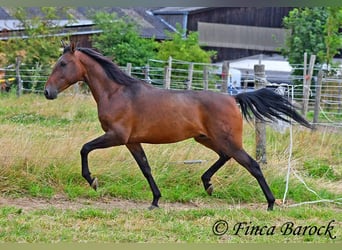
(67, 71)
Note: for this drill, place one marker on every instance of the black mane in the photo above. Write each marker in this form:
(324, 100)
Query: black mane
(111, 69)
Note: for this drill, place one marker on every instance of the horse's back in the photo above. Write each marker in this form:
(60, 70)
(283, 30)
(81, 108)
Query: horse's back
(221, 110)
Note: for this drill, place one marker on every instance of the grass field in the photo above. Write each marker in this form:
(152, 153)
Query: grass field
(39, 160)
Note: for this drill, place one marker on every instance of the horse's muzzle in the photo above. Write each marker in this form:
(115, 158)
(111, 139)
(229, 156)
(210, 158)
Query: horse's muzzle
(50, 94)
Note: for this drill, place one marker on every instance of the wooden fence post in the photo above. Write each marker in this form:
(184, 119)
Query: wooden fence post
(305, 70)
(77, 88)
(167, 74)
(307, 84)
(18, 77)
(167, 78)
(129, 69)
(339, 95)
(190, 74)
(318, 96)
(147, 72)
(205, 78)
(260, 127)
(225, 73)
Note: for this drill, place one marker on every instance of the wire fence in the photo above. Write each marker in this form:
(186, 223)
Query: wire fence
(183, 75)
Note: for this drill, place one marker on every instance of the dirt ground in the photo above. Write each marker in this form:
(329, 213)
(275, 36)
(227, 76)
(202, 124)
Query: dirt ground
(107, 203)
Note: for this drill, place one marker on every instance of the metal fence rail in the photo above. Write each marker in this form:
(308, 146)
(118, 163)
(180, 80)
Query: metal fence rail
(199, 76)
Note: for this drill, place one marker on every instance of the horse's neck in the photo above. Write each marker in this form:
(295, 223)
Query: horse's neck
(99, 83)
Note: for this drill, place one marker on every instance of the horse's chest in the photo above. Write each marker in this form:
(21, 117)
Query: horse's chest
(109, 121)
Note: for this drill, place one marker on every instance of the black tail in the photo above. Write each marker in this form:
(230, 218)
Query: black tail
(267, 105)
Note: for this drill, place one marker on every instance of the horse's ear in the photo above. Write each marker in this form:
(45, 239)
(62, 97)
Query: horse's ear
(72, 47)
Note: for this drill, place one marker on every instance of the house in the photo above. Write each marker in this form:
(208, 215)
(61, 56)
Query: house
(82, 27)
(234, 32)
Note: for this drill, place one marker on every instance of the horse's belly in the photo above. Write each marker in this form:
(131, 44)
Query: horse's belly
(163, 135)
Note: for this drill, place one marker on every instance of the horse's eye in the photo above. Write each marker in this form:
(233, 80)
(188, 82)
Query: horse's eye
(62, 63)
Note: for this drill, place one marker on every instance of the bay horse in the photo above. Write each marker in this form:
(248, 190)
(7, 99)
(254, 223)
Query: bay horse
(132, 112)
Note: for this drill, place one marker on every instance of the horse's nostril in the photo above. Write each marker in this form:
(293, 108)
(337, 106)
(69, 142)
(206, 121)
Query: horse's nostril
(50, 94)
(46, 93)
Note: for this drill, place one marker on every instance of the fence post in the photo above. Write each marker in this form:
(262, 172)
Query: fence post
(167, 74)
(147, 73)
(167, 77)
(18, 77)
(205, 77)
(318, 96)
(307, 83)
(225, 73)
(190, 74)
(305, 69)
(77, 88)
(339, 95)
(129, 69)
(260, 127)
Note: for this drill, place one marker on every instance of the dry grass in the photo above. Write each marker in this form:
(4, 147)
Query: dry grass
(41, 141)
(40, 157)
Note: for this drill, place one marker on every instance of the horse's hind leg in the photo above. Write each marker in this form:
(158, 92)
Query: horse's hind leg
(140, 157)
(253, 167)
(206, 177)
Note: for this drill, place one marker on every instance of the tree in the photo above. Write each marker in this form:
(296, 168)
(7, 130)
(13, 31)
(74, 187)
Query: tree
(333, 38)
(37, 46)
(120, 39)
(37, 43)
(183, 48)
(315, 31)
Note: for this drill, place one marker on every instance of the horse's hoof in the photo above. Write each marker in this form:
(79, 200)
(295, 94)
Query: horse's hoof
(152, 207)
(95, 184)
(270, 207)
(210, 189)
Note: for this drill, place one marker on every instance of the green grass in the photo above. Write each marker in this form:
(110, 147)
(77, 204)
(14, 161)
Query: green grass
(139, 225)
(40, 159)
(326, 117)
(322, 169)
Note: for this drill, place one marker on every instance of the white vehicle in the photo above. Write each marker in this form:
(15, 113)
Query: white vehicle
(233, 79)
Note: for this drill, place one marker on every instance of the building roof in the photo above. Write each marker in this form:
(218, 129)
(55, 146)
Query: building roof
(178, 10)
(150, 25)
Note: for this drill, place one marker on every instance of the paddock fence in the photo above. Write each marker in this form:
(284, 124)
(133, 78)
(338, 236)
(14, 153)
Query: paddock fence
(324, 100)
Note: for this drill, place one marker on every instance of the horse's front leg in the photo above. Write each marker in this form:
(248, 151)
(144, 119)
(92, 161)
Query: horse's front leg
(104, 141)
(140, 157)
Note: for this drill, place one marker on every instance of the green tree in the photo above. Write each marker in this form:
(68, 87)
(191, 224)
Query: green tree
(120, 39)
(333, 37)
(315, 31)
(183, 48)
(36, 43)
(307, 33)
